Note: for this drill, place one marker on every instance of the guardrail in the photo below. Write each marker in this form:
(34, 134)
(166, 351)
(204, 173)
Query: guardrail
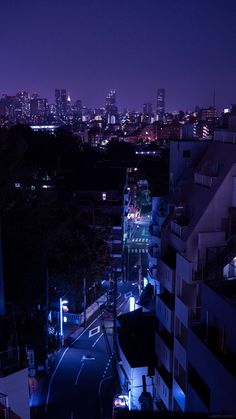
(78, 318)
(99, 303)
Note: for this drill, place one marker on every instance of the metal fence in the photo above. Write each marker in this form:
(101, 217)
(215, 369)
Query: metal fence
(70, 318)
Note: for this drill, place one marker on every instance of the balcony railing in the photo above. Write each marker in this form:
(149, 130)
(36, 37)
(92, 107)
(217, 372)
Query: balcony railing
(177, 228)
(187, 314)
(165, 311)
(166, 274)
(187, 268)
(164, 386)
(164, 348)
(209, 337)
(204, 180)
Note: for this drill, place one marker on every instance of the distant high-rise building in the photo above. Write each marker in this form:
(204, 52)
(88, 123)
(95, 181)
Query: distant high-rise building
(24, 98)
(61, 102)
(110, 106)
(147, 116)
(38, 107)
(110, 100)
(161, 94)
(147, 109)
(208, 114)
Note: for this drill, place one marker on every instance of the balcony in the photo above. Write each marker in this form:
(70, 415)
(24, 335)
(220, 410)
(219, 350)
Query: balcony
(177, 229)
(179, 394)
(164, 386)
(180, 351)
(165, 310)
(186, 268)
(166, 274)
(198, 391)
(204, 338)
(164, 349)
(204, 180)
(186, 310)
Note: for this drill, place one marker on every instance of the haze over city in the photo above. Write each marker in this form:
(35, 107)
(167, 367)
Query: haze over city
(90, 47)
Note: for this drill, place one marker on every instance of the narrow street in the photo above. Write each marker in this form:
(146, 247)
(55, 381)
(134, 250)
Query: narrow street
(82, 383)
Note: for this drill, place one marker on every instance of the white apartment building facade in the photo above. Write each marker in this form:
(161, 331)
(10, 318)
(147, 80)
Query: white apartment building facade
(199, 219)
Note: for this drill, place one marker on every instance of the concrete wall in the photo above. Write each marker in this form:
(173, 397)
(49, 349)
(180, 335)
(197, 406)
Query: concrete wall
(15, 386)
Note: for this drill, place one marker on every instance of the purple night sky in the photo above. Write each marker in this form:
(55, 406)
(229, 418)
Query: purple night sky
(134, 46)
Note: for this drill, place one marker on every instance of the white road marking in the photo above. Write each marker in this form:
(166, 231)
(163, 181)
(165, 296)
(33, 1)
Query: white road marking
(96, 341)
(60, 360)
(94, 331)
(77, 377)
(85, 358)
(123, 302)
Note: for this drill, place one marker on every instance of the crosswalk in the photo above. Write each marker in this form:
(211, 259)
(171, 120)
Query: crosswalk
(138, 250)
(140, 240)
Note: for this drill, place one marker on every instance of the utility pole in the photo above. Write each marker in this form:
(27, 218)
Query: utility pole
(140, 277)
(114, 274)
(114, 310)
(2, 295)
(46, 311)
(85, 301)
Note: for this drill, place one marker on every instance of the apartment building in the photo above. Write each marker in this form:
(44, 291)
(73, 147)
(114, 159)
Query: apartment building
(195, 247)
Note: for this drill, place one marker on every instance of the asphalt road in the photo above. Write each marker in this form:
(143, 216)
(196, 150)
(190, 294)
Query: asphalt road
(137, 250)
(82, 382)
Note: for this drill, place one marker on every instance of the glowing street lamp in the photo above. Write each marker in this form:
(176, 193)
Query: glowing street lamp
(131, 304)
(62, 303)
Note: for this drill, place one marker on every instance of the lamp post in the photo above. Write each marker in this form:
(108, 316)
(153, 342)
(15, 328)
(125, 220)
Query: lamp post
(62, 302)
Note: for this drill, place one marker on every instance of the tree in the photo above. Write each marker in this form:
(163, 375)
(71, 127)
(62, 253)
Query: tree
(77, 251)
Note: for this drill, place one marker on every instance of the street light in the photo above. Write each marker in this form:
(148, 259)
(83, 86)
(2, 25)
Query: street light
(62, 302)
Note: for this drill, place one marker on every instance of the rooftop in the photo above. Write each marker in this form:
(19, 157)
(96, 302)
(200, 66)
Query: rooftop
(136, 338)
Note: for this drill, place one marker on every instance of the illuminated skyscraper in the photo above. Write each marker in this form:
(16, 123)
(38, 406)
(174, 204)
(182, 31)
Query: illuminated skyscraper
(110, 106)
(61, 102)
(24, 98)
(110, 102)
(161, 93)
(38, 107)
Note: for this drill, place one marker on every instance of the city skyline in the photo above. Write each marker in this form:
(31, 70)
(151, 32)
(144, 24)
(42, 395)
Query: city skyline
(33, 95)
(90, 47)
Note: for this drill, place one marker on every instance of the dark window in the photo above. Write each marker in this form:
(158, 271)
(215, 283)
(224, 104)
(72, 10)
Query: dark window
(186, 154)
(201, 388)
